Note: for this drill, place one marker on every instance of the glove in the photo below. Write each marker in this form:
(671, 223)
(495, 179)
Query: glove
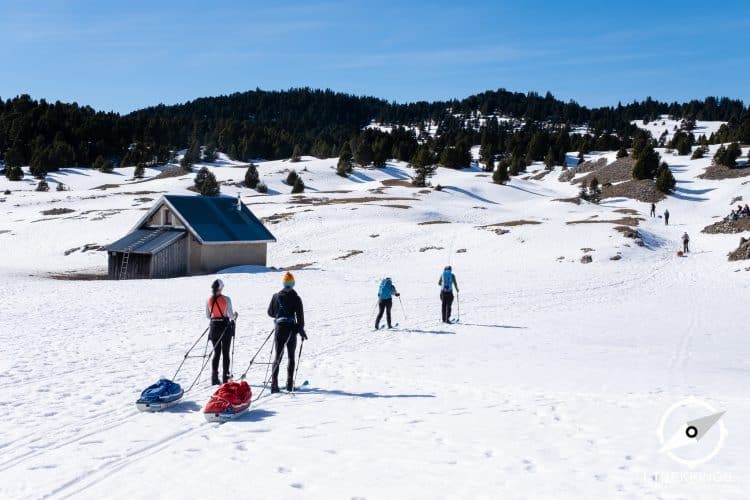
(302, 334)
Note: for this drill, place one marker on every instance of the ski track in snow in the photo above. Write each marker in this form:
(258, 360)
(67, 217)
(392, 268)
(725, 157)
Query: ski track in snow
(551, 385)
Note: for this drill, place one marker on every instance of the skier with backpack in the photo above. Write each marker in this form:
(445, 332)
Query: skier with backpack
(221, 330)
(447, 282)
(386, 290)
(685, 243)
(288, 315)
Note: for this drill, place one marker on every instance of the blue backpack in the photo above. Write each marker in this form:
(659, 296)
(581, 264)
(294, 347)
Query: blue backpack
(385, 290)
(448, 281)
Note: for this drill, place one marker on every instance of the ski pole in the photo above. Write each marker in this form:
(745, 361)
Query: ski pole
(402, 306)
(231, 339)
(256, 354)
(458, 302)
(188, 352)
(299, 358)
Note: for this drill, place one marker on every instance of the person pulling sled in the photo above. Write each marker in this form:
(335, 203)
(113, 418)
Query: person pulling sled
(447, 282)
(685, 242)
(288, 315)
(219, 311)
(386, 291)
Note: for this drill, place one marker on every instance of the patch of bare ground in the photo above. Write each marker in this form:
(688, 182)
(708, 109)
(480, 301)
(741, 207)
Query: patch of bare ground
(104, 187)
(350, 253)
(643, 190)
(57, 211)
(374, 235)
(304, 200)
(397, 206)
(143, 200)
(619, 170)
(3, 231)
(301, 251)
(424, 249)
(297, 267)
(431, 222)
(727, 227)
(482, 175)
(398, 182)
(88, 247)
(424, 191)
(279, 217)
(141, 193)
(576, 200)
(541, 175)
(461, 250)
(716, 172)
(587, 250)
(623, 221)
(76, 276)
(166, 174)
(627, 211)
(511, 223)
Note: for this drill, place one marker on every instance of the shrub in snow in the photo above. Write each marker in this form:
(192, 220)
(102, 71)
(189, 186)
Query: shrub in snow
(299, 186)
(14, 173)
(261, 188)
(665, 181)
(438, 188)
(205, 183)
(252, 178)
(291, 178)
(61, 187)
(140, 170)
(42, 186)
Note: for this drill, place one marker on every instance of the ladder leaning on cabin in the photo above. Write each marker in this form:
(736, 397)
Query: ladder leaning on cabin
(126, 257)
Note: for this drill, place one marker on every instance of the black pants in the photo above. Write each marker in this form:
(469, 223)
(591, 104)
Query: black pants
(666, 220)
(222, 344)
(286, 334)
(384, 305)
(447, 300)
(685, 245)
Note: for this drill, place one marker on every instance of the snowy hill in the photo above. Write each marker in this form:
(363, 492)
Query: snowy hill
(551, 386)
(665, 124)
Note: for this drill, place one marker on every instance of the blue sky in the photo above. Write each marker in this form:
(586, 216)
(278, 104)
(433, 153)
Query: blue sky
(125, 55)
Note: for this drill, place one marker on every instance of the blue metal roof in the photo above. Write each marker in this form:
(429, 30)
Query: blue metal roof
(217, 220)
(146, 241)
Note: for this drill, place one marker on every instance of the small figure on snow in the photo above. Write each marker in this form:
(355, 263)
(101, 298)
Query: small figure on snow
(288, 315)
(653, 210)
(685, 242)
(447, 282)
(221, 330)
(666, 217)
(386, 290)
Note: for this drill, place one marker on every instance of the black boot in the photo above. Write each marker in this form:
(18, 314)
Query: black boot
(226, 378)
(289, 384)
(215, 378)
(274, 385)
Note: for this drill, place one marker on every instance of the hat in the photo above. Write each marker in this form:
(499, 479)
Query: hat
(217, 285)
(448, 268)
(288, 280)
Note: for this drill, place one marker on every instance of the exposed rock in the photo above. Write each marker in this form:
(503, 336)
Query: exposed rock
(586, 259)
(728, 226)
(616, 257)
(742, 252)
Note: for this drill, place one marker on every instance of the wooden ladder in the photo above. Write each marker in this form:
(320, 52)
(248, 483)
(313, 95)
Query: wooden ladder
(126, 257)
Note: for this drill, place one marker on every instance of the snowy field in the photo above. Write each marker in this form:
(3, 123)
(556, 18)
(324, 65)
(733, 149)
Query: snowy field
(552, 385)
(665, 124)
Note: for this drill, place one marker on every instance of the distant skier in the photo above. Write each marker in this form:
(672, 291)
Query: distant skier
(286, 310)
(653, 210)
(447, 282)
(685, 242)
(219, 311)
(666, 217)
(385, 301)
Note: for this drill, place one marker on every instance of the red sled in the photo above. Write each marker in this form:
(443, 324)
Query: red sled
(230, 400)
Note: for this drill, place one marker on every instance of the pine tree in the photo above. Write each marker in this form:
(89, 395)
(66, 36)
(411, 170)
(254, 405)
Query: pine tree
(364, 154)
(549, 159)
(261, 187)
(622, 152)
(423, 164)
(291, 177)
(581, 157)
(646, 164)
(299, 186)
(665, 181)
(489, 166)
(699, 152)
(500, 175)
(42, 186)
(209, 154)
(344, 166)
(192, 156)
(13, 157)
(205, 183)
(296, 154)
(140, 170)
(252, 178)
(13, 173)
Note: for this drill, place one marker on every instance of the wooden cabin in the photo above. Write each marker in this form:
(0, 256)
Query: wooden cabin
(187, 235)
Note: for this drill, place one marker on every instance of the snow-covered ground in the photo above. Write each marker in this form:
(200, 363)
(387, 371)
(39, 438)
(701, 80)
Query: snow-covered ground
(665, 124)
(552, 385)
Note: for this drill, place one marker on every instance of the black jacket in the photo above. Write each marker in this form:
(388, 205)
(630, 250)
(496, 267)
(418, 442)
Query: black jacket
(287, 305)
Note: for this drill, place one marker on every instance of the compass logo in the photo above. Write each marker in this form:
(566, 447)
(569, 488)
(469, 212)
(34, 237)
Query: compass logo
(692, 432)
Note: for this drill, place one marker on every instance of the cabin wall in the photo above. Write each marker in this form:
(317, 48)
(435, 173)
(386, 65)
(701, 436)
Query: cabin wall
(171, 261)
(163, 215)
(139, 266)
(212, 258)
